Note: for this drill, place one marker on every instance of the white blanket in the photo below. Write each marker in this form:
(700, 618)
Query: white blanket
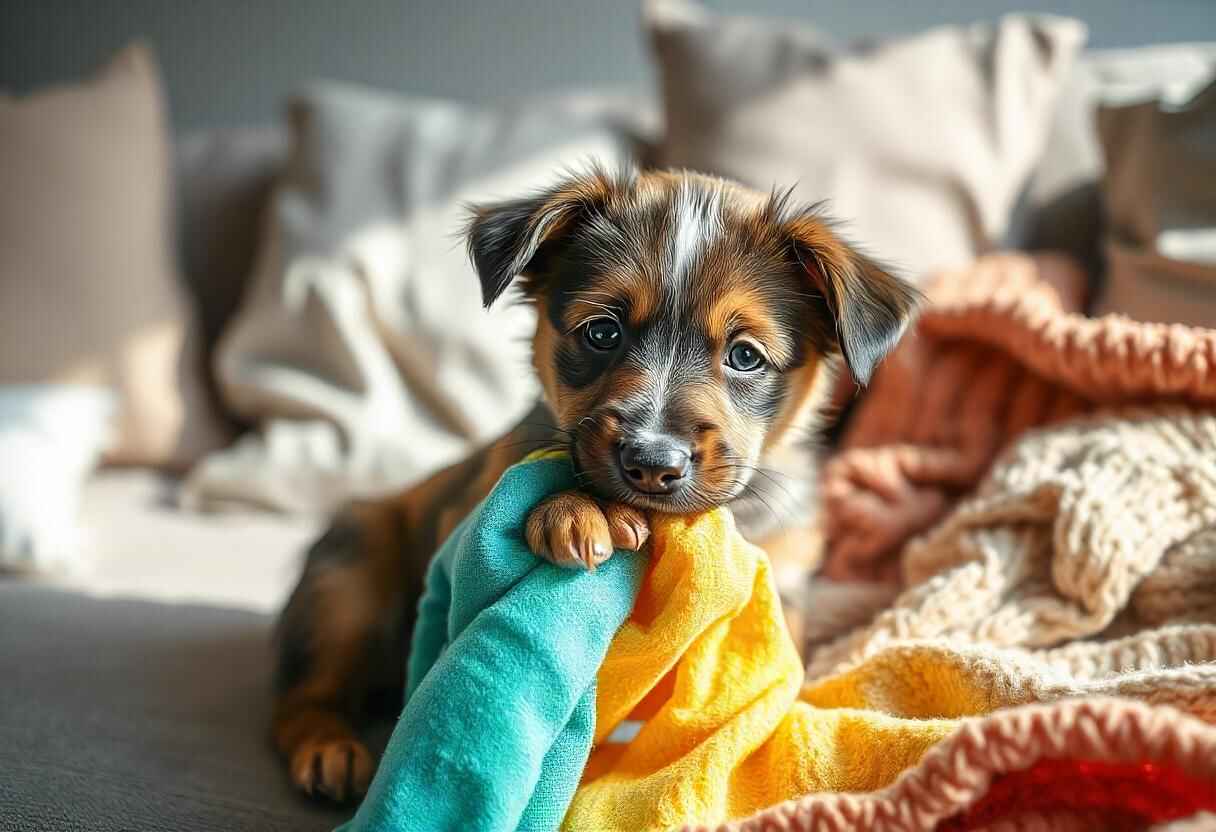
(362, 351)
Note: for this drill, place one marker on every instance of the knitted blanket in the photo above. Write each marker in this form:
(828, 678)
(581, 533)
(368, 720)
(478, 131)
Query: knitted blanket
(1105, 524)
(999, 351)
(1064, 615)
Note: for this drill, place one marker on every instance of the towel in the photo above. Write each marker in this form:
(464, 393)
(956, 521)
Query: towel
(501, 678)
(706, 663)
(509, 653)
(665, 693)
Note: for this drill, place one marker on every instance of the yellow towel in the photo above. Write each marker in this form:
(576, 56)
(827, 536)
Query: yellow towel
(706, 663)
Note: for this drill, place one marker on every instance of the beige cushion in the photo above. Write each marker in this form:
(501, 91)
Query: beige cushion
(361, 349)
(88, 291)
(1160, 193)
(922, 144)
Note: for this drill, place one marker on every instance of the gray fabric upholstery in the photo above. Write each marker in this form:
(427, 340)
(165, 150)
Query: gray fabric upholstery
(128, 715)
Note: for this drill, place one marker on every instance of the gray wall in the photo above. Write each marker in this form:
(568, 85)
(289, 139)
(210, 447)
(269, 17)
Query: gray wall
(233, 61)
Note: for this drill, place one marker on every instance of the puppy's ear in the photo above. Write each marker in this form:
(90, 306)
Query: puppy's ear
(512, 238)
(871, 307)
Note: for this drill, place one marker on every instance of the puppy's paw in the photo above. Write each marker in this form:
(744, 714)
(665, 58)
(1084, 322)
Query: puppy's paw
(627, 526)
(573, 530)
(340, 770)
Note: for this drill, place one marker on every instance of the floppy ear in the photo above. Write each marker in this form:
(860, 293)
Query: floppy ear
(871, 306)
(510, 238)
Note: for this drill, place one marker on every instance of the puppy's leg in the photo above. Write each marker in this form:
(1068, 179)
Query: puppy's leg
(572, 529)
(341, 638)
(345, 631)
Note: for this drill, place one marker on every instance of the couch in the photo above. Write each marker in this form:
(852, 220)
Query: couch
(135, 695)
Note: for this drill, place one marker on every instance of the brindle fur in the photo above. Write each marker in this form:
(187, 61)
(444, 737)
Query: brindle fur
(686, 265)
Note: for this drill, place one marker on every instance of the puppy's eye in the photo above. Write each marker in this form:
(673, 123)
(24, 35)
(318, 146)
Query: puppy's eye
(744, 357)
(603, 334)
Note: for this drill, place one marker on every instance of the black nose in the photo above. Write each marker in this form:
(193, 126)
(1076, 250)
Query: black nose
(654, 463)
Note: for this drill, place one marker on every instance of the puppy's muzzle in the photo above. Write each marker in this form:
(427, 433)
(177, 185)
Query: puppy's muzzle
(654, 463)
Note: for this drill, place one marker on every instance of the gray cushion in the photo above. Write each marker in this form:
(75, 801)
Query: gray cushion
(223, 180)
(1062, 206)
(137, 716)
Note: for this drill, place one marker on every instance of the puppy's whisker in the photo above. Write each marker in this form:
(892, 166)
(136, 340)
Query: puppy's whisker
(553, 428)
(533, 445)
(768, 475)
(748, 489)
(615, 310)
(587, 294)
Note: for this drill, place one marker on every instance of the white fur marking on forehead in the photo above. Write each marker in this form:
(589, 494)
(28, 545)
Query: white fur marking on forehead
(695, 222)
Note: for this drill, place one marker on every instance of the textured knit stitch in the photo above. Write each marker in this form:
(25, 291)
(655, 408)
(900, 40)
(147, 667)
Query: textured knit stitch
(1057, 538)
(1183, 586)
(1000, 350)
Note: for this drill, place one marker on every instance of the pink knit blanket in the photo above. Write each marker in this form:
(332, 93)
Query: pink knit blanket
(1000, 349)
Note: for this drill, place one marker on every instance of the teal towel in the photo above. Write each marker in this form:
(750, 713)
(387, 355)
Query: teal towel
(500, 691)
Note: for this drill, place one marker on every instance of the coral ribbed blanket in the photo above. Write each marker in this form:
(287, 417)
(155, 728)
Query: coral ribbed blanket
(999, 350)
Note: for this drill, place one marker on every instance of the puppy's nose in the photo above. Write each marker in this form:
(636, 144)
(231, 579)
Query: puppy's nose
(655, 463)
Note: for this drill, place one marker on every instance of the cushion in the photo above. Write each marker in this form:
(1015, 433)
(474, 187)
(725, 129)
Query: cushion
(224, 179)
(1160, 154)
(88, 291)
(51, 437)
(921, 144)
(1062, 206)
(361, 348)
(1073, 154)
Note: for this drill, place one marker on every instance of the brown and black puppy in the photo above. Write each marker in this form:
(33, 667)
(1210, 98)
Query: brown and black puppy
(688, 330)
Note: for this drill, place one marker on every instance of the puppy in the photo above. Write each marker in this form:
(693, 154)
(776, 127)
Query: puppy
(687, 334)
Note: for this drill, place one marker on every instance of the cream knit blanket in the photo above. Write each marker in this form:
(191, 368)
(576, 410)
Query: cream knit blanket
(1108, 522)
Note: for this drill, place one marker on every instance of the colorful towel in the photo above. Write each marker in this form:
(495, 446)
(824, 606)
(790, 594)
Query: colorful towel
(517, 673)
(501, 683)
(707, 664)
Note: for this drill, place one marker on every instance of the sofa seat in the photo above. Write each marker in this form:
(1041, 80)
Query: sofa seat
(143, 702)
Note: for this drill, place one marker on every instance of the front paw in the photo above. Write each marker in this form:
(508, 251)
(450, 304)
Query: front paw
(573, 530)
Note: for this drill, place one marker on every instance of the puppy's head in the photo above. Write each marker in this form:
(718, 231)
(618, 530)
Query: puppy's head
(687, 326)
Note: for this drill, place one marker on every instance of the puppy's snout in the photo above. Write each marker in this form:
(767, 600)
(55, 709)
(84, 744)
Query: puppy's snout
(655, 463)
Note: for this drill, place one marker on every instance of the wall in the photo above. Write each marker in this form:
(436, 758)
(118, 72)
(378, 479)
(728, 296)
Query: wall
(229, 62)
